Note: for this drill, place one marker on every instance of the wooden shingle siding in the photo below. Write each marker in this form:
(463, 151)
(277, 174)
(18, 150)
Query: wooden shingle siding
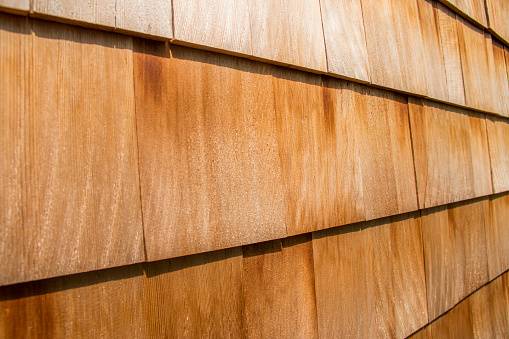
(499, 78)
(96, 12)
(498, 14)
(473, 9)
(154, 17)
(15, 6)
(497, 235)
(498, 140)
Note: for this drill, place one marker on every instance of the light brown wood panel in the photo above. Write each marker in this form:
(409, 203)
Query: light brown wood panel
(498, 140)
(345, 39)
(221, 24)
(448, 34)
(490, 309)
(433, 56)
(209, 162)
(498, 12)
(15, 43)
(388, 178)
(288, 31)
(457, 323)
(15, 6)
(450, 153)
(152, 17)
(474, 9)
(369, 279)
(198, 296)
(97, 12)
(424, 333)
(100, 304)
(319, 150)
(455, 253)
(475, 63)
(498, 76)
(497, 235)
(279, 290)
(394, 44)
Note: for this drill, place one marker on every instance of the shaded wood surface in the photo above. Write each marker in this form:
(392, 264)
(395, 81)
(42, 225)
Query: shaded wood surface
(279, 291)
(498, 139)
(498, 14)
(455, 253)
(474, 9)
(98, 12)
(457, 323)
(394, 44)
(209, 163)
(369, 279)
(152, 17)
(499, 78)
(345, 40)
(15, 5)
(450, 153)
(497, 235)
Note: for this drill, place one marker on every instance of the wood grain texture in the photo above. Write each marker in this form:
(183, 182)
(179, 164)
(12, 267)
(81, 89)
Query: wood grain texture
(369, 279)
(219, 24)
(475, 63)
(152, 17)
(101, 304)
(15, 6)
(498, 76)
(498, 12)
(388, 178)
(474, 9)
(448, 34)
(198, 296)
(455, 253)
(450, 153)
(288, 31)
(498, 140)
(279, 290)
(457, 323)
(319, 151)
(436, 78)
(345, 39)
(209, 162)
(497, 235)
(97, 12)
(394, 45)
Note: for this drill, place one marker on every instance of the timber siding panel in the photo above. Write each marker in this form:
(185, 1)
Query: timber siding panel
(499, 77)
(209, 162)
(152, 17)
(319, 151)
(197, 296)
(474, 9)
(97, 12)
(345, 38)
(498, 136)
(455, 253)
(498, 17)
(279, 291)
(100, 304)
(450, 153)
(16, 6)
(497, 235)
(370, 279)
(394, 45)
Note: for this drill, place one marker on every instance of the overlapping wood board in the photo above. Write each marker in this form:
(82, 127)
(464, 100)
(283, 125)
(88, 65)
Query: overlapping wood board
(498, 76)
(369, 279)
(210, 171)
(450, 153)
(473, 9)
(154, 17)
(498, 140)
(497, 235)
(455, 252)
(498, 14)
(97, 12)
(15, 6)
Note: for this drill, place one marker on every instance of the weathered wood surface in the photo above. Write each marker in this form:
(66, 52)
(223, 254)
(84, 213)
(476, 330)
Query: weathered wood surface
(209, 164)
(450, 152)
(279, 291)
(369, 279)
(455, 253)
(498, 140)
(448, 34)
(498, 17)
(78, 206)
(345, 39)
(97, 12)
(475, 63)
(497, 235)
(457, 323)
(394, 45)
(15, 6)
(198, 296)
(152, 17)
(436, 79)
(101, 304)
(498, 76)
(474, 9)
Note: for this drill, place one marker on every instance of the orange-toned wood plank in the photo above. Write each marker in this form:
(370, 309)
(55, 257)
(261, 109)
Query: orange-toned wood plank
(394, 44)
(474, 9)
(457, 323)
(98, 12)
(455, 253)
(345, 39)
(152, 17)
(433, 56)
(369, 279)
(450, 153)
(498, 12)
(209, 162)
(319, 150)
(498, 140)
(279, 290)
(497, 235)
(100, 304)
(198, 296)
(448, 34)
(498, 76)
